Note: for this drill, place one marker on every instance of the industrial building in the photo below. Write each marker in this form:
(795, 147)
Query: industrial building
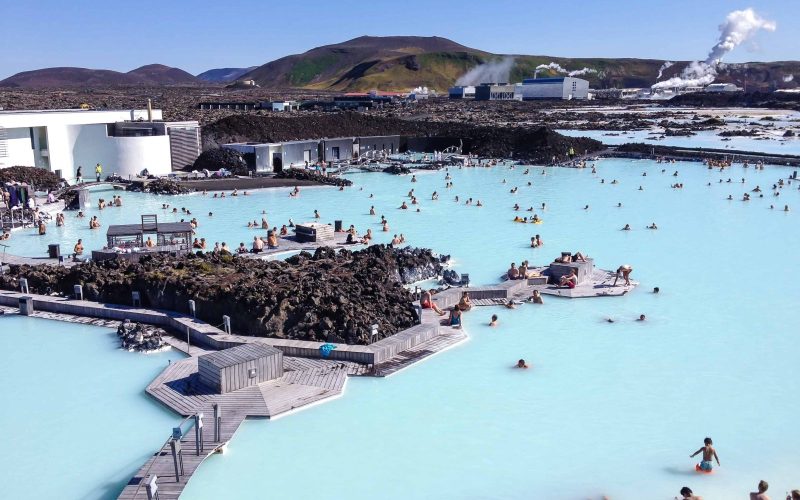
(722, 87)
(553, 88)
(462, 92)
(496, 92)
(124, 142)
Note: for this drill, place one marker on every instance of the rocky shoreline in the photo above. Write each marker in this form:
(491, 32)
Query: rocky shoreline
(326, 297)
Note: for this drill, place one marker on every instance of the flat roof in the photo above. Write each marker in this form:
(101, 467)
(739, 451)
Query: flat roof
(136, 229)
(239, 354)
(543, 80)
(73, 110)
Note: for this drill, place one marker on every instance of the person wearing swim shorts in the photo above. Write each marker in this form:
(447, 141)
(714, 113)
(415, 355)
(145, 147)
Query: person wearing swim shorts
(426, 301)
(709, 453)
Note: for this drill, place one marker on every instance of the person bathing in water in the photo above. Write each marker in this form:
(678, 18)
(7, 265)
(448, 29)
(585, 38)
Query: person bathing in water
(709, 453)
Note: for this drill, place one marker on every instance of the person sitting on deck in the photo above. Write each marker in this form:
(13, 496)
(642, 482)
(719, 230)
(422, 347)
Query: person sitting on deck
(149, 243)
(272, 240)
(258, 244)
(523, 270)
(455, 317)
(623, 271)
(426, 302)
(284, 230)
(242, 248)
(465, 304)
(513, 272)
(569, 281)
(578, 257)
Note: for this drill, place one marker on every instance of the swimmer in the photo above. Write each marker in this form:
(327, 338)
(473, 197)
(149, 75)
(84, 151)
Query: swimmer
(316, 214)
(493, 322)
(656, 290)
(709, 453)
(536, 298)
(652, 226)
(761, 494)
(687, 494)
(372, 210)
(521, 364)
(586, 207)
(642, 317)
(619, 205)
(510, 305)
(627, 227)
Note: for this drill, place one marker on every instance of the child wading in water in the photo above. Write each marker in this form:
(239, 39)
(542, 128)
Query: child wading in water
(709, 453)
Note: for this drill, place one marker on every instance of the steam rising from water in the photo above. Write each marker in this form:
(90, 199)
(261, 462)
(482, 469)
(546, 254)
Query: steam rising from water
(491, 72)
(739, 26)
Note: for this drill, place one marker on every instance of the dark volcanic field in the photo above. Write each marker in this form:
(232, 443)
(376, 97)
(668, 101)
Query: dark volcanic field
(531, 143)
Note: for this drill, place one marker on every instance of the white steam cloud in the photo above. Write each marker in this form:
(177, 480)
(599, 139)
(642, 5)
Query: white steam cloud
(738, 27)
(559, 69)
(491, 72)
(788, 78)
(666, 65)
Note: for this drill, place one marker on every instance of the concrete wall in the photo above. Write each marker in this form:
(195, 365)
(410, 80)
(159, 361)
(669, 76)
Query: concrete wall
(345, 146)
(293, 153)
(124, 156)
(76, 137)
(18, 149)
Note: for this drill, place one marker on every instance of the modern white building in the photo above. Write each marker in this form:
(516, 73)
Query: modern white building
(124, 142)
(552, 88)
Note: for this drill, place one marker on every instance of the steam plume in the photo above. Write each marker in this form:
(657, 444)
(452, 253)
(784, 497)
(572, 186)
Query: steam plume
(491, 72)
(559, 69)
(666, 65)
(739, 26)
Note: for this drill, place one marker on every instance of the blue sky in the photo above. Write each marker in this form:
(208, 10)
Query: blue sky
(202, 34)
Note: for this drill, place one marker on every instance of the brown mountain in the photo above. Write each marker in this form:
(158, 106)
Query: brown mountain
(389, 62)
(152, 74)
(402, 62)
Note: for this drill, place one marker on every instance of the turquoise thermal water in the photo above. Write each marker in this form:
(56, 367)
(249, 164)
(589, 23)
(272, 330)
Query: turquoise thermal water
(77, 422)
(608, 408)
(774, 144)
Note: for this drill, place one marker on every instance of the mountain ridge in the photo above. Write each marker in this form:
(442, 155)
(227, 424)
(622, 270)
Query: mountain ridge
(401, 63)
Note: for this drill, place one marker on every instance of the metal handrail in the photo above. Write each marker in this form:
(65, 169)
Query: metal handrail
(147, 472)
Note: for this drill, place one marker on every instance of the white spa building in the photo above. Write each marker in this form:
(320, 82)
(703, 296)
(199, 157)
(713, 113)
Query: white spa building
(124, 142)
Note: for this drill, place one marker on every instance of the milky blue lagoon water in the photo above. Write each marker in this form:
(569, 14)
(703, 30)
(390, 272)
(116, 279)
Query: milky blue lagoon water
(76, 419)
(773, 144)
(608, 408)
